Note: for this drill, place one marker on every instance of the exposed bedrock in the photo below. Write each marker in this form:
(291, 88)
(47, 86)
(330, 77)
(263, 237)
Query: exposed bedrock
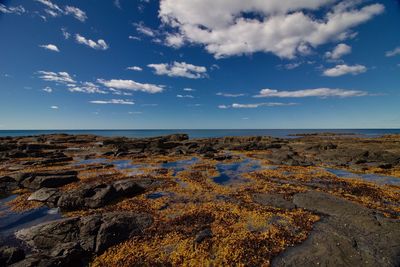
(347, 235)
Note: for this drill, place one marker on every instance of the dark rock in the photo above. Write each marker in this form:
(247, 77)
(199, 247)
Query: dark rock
(10, 255)
(43, 195)
(202, 235)
(90, 196)
(348, 235)
(72, 241)
(7, 184)
(36, 182)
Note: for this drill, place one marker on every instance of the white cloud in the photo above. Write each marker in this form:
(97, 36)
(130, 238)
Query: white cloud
(117, 3)
(54, 107)
(48, 89)
(76, 12)
(18, 10)
(256, 105)
(318, 92)
(135, 68)
(180, 69)
(65, 33)
(50, 47)
(131, 37)
(86, 87)
(99, 45)
(184, 96)
(285, 28)
(229, 95)
(55, 10)
(189, 89)
(58, 77)
(393, 52)
(131, 85)
(339, 51)
(140, 27)
(113, 101)
(223, 106)
(344, 69)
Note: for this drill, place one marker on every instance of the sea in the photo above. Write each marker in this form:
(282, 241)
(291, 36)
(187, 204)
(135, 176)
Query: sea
(205, 133)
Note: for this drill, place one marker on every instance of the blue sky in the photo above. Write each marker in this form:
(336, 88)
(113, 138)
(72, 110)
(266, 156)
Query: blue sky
(173, 64)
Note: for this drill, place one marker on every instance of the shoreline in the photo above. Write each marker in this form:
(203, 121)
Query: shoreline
(228, 200)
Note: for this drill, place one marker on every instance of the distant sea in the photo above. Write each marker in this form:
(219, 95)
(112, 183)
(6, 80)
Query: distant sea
(204, 133)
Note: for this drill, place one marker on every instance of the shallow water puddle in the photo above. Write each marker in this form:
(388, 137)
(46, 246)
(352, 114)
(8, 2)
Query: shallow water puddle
(11, 221)
(375, 178)
(232, 172)
(180, 165)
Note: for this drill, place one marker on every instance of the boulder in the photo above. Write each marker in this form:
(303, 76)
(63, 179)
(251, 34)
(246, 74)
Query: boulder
(72, 241)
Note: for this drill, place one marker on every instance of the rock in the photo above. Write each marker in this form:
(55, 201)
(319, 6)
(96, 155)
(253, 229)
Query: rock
(7, 184)
(202, 235)
(90, 196)
(49, 179)
(98, 195)
(128, 188)
(43, 195)
(72, 241)
(10, 255)
(273, 200)
(347, 235)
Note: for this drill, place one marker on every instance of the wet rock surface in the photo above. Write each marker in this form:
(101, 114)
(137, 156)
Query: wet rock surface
(347, 235)
(296, 215)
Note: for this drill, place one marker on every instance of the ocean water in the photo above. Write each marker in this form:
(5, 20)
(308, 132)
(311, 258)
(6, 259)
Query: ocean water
(203, 133)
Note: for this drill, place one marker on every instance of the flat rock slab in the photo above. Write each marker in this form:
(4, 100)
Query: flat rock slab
(347, 235)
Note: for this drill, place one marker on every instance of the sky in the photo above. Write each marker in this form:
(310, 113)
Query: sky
(199, 64)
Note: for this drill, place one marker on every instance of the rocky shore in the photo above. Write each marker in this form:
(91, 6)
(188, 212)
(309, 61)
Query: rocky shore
(309, 200)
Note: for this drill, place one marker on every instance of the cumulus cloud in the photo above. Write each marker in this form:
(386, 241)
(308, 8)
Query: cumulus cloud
(285, 28)
(344, 69)
(393, 52)
(55, 10)
(113, 101)
(256, 105)
(131, 85)
(189, 89)
(99, 45)
(50, 47)
(318, 92)
(134, 68)
(229, 95)
(54, 107)
(58, 77)
(18, 10)
(180, 69)
(339, 51)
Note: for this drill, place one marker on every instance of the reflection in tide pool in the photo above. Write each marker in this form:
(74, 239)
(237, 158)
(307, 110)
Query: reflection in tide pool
(232, 172)
(180, 165)
(375, 178)
(11, 221)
